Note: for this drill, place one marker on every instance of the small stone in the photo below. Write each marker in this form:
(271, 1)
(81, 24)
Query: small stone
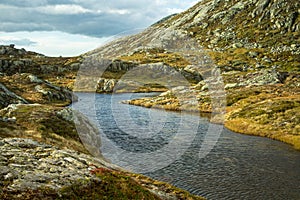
(4, 170)
(34, 79)
(9, 176)
(230, 85)
(294, 46)
(253, 54)
(266, 59)
(237, 45)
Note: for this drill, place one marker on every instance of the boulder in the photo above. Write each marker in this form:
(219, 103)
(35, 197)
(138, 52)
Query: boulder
(7, 97)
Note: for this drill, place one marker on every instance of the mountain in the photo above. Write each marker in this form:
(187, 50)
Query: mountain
(253, 45)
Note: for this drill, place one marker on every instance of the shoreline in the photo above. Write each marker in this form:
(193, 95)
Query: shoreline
(233, 125)
(58, 150)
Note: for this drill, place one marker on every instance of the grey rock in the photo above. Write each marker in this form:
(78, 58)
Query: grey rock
(34, 79)
(7, 97)
(66, 114)
(34, 165)
(231, 85)
(106, 85)
(253, 54)
(237, 45)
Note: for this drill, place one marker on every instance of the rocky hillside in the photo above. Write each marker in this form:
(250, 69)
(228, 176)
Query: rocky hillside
(245, 35)
(253, 44)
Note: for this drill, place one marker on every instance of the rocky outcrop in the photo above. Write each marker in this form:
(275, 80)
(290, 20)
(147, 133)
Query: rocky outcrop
(10, 50)
(141, 77)
(106, 85)
(34, 90)
(13, 60)
(257, 14)
(27, 164)
(263, 77)
(7, 97)
(119, 65)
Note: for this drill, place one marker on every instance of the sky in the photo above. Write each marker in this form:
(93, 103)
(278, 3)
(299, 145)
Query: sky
(72, 27)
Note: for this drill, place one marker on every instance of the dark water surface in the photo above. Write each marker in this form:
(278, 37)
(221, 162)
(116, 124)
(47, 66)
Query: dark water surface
(238, 167)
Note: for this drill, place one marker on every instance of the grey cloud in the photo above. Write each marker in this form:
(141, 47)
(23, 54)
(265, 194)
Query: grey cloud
(24, 3)
(15, 16)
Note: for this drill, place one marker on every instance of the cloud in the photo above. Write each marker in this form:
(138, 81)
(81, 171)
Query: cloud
(52, 43)
(71, 27)
(24, 3)
(20, 42)
(118, 11)
(97, 18)
(63, 9)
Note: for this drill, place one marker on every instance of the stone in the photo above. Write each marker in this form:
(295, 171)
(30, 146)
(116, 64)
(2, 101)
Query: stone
(34, 79)
(7, 97)
(66, 114)
(266, 59)
(253, 54)
(230, 85)
(237, 45)
(34, 165)
(106, 85)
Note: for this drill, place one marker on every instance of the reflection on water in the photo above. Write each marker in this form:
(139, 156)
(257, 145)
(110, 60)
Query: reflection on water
(239, 166)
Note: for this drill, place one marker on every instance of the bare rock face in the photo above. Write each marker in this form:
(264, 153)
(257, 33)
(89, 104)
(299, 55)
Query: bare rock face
(7, 97)
(27, 164)
(34, 90)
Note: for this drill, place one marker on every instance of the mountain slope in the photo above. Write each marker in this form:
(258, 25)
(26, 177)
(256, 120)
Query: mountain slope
(253, 43)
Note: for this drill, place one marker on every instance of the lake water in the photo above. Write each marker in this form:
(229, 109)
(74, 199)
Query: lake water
(167, 146)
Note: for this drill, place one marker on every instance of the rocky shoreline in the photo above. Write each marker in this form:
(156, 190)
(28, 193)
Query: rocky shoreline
(41, 154)
(261, 109)
(34, 170)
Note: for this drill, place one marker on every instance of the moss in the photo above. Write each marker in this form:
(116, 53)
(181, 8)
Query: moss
(276, 118)
(155, 56)
(41, 123)
(61, 127)
(112, 185)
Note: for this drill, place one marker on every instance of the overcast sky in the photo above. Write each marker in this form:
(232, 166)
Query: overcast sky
(72, 27)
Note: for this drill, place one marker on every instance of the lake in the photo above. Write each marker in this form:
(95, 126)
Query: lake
(191, 153)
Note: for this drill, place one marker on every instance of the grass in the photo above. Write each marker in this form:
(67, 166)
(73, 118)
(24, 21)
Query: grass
(23, 87)
(112, 185)
(109, 185)
(42, 123)
(155, 56)
(271, 110)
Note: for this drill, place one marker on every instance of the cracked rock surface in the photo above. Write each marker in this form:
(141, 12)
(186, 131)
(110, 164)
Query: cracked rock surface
(25, 163)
